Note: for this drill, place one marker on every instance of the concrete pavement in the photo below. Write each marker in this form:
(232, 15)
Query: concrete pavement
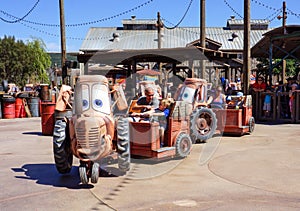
(253, 172)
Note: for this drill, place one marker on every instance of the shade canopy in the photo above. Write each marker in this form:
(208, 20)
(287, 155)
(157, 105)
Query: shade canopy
(282, 44)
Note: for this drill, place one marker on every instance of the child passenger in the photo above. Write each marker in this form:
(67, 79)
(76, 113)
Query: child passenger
(162, 113)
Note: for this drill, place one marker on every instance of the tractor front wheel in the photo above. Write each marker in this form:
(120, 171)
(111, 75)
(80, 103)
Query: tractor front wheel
(183, 145)
(95, 173)
(83, 173)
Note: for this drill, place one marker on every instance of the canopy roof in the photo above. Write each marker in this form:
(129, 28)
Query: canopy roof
(165, 55)
(283, 45)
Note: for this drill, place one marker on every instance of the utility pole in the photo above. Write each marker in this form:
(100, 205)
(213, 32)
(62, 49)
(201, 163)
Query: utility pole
(62, 35)
(159, 27)
(283, 17)
(202, 23)
(202, 36)
(246, 51)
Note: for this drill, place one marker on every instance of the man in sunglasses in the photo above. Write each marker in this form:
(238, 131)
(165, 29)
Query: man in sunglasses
(148, 102)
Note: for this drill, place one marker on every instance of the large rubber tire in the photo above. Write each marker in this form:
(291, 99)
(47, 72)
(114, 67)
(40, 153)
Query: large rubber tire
(83, 174)
(203, 124)
(61, 147)
(183, 145)
(123, 144)
(95, 173)
(251, 124)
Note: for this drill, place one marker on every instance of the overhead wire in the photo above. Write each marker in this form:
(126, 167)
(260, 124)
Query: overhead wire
(21, 19)
(264, 5)
(183, 17)
(232, 9)
(83, 23)
(270, 17)
(293, 13)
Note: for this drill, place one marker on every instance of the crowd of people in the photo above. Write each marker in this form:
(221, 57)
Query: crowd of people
(291, 86)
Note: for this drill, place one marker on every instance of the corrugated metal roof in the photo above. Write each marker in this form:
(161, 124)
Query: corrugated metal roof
(101, 38)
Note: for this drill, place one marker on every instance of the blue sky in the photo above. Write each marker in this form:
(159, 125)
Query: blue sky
(47, 12)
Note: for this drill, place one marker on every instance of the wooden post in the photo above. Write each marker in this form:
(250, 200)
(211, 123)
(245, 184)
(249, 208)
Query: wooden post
(202, 23)
(284, 17)
(246, 52)
(270, 62)
(62, 32)
(159, 26)
(283, 70)
(202, 36)
(134, 78)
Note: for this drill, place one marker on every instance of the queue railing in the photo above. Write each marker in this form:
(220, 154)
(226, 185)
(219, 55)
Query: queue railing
(280, 108)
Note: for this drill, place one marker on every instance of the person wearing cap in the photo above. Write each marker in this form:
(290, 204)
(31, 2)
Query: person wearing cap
(292, 96)
(260, 85)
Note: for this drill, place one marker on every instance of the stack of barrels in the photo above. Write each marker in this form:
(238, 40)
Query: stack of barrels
(20, 106)
(23, 105)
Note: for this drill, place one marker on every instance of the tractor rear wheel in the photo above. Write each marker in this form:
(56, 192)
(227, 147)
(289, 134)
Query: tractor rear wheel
(251, 124)
(203, 124)
(123, 144)
(61, 147)
(183, 145)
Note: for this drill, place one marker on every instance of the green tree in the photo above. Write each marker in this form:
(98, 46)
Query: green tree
(21, 62)
(292, 67)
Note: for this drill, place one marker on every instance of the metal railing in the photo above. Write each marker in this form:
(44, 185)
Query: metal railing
(280, 109)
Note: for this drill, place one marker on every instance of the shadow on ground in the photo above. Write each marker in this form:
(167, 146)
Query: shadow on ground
(33, 133)
(46, 174)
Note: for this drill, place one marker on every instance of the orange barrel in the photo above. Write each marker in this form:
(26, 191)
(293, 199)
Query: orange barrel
(34, 106)
(8, 107)
(19, 108)
(45, 92)
(48, 109)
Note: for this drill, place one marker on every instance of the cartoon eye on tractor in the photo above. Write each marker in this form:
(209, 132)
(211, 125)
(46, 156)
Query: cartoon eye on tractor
(89, 133)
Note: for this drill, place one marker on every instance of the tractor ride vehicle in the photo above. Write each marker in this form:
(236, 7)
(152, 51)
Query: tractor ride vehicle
(235, 119)
(146, 139)
(203, 120)
(90, 133)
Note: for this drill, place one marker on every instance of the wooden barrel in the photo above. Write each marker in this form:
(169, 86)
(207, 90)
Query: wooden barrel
(48, 109)
(8, 107)
(45, 92)
(19, 108)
